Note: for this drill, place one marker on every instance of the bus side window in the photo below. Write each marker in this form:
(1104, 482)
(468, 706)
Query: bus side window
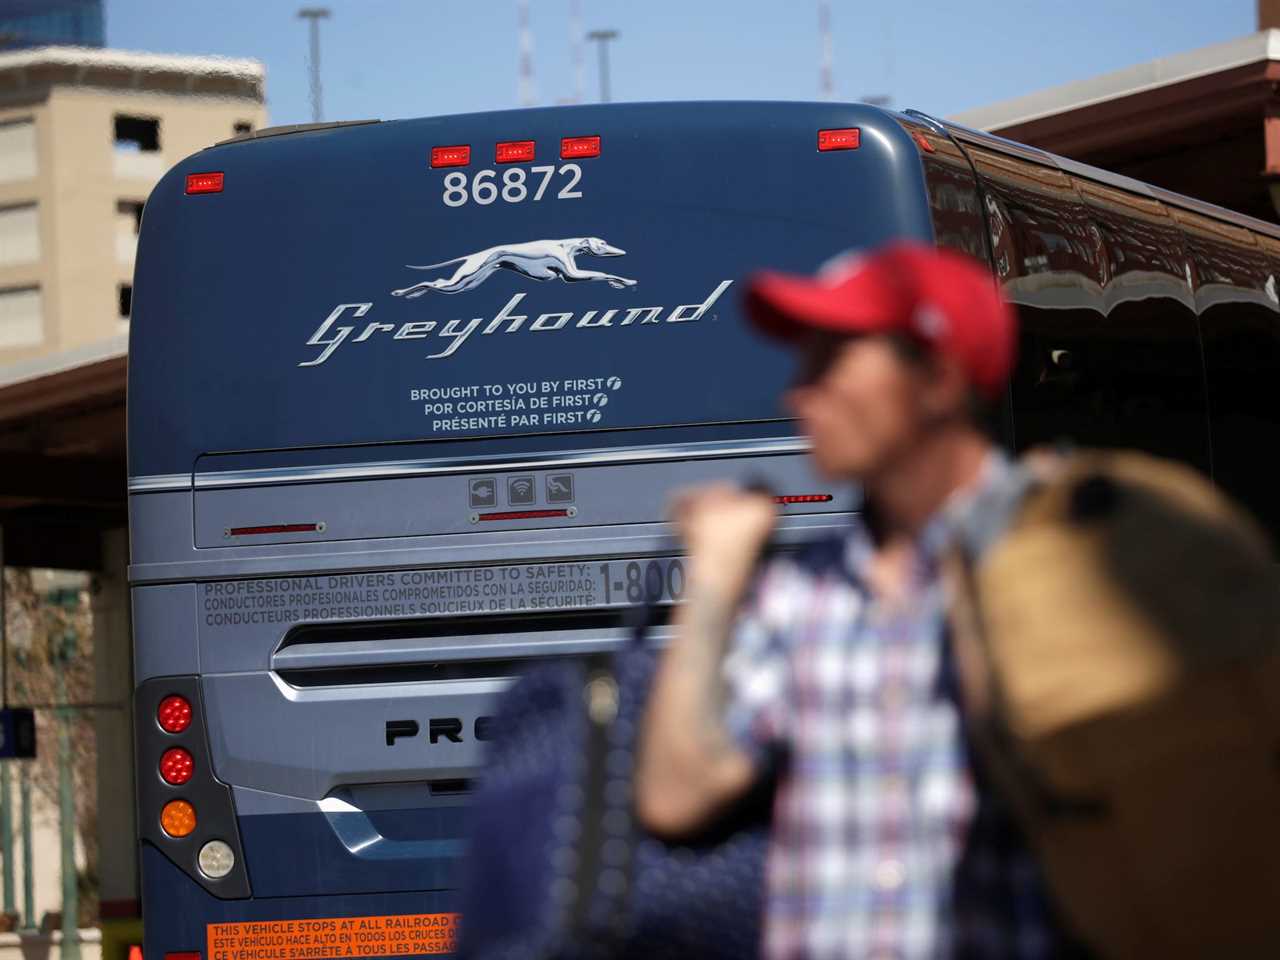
(1138, 378)
(1241, 326)
(1109, 354)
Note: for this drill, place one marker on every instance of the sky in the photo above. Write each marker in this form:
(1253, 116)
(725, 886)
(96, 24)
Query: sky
(403, 58)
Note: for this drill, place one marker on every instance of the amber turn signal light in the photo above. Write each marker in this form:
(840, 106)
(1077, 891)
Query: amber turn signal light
(178, 818)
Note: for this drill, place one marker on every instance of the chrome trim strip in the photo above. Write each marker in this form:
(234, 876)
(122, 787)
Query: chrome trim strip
(160, 482)
(411, 468)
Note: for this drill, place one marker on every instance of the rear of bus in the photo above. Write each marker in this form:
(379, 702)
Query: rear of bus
(406, 401)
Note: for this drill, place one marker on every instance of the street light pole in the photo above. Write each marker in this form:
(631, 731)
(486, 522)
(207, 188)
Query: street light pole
(602, 38)
(313, 16)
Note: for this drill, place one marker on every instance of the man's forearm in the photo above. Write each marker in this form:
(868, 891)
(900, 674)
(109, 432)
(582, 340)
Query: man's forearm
(689, 765)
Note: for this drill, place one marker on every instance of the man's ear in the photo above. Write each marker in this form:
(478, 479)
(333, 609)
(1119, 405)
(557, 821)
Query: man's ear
(946, 388)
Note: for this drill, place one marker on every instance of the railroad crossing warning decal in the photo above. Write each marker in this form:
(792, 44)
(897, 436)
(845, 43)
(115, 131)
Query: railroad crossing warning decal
(401, 935)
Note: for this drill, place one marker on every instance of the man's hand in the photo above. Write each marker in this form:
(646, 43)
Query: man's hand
(689, 768)
(723, 529)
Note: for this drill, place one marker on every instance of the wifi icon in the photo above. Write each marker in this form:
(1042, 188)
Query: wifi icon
(521, 491)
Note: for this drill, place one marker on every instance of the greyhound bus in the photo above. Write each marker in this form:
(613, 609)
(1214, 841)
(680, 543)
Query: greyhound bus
(407, 399)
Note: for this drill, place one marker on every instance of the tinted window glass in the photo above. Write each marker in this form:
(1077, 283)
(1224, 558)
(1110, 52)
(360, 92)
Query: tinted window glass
(1237, 297)
(1109, 353)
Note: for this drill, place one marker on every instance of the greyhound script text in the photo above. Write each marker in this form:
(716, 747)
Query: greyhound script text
(333, 333)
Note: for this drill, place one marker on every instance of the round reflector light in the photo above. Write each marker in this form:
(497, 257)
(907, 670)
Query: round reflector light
(216, 859)
(176, 766)
(174, 714)
(178, 818)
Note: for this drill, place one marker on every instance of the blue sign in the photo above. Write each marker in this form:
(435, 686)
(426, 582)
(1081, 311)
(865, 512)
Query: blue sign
(17, 733)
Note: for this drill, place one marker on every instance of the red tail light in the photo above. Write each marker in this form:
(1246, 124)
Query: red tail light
(176, 766)
(174, 714)
(514, 151)
(523, 515)
(787, 499)
(204, 183)
(575, 148)
(846, 138)
(455, 156)
(268, 528)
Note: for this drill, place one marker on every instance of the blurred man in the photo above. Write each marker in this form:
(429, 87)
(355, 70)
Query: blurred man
(830, 667)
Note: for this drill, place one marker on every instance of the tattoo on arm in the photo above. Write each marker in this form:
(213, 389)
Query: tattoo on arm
(708, 619)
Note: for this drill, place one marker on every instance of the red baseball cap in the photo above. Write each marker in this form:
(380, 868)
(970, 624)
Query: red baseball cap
(946, 300)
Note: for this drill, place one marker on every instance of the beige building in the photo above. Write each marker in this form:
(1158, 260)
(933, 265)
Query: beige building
(84, 136)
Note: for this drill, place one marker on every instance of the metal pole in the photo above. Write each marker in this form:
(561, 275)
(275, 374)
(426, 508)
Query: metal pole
(4, 631)
(313, 15)
(575, 46)
(6, 794)
(524, 91)
(67, 819)
(6, 837)
(602, 39)
(28, 867)
(826, 85)
(604, 73)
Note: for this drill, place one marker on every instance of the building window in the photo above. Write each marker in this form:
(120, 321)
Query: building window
(128, 223)
(19, 235)
(137, 134)
(242, 127)
(137, 148)
(21, 317)
(129, 215)
(126, 300)
(17, 151)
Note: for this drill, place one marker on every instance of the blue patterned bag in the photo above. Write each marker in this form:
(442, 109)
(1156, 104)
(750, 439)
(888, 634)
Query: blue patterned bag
(557, 868)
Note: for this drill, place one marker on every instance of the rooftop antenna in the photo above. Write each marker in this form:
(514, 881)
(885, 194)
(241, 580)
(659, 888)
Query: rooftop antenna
(575, 47)
(314, 15)
(525, 90)
(826, 85)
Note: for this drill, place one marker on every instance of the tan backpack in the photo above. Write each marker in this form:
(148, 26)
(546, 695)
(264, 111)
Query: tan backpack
(1119, 651)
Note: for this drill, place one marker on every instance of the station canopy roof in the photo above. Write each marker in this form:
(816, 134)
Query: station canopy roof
(62, 455)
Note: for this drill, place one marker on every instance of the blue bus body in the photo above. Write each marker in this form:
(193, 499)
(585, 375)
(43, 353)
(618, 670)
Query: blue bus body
(358, 505)
(362, 493)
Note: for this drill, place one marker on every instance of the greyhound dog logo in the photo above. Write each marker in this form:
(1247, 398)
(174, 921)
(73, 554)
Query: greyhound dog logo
(537, 260)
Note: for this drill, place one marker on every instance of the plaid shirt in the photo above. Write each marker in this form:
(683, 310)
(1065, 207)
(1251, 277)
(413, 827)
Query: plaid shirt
(883, 845)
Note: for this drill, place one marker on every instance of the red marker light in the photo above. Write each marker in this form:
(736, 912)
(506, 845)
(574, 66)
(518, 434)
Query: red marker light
(575, 148)
(204, 183)
(176, 766)
(456, 156)
(788, 499)
(923, 142)
(514, 151)
(846, 138)
(173, 714)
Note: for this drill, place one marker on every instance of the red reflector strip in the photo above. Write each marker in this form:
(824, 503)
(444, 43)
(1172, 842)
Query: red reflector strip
(804, 498)
(455, 156)
(523, 515)
(574, 148)
(843, 139)
(193, 955)
(514, 151)
(274, 528)
(204, 183)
